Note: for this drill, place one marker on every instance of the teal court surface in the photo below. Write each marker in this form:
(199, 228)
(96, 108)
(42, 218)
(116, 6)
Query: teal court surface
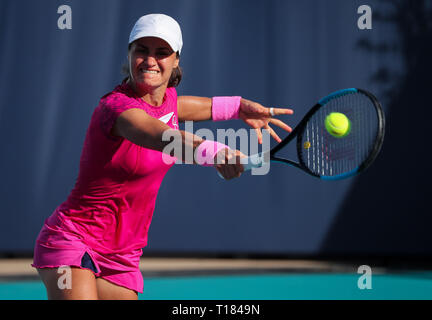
(243, 279)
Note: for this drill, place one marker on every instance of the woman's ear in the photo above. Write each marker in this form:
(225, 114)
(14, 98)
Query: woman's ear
(177, 61)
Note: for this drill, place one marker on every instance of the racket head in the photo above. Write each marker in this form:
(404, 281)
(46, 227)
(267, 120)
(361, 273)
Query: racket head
(332, 158)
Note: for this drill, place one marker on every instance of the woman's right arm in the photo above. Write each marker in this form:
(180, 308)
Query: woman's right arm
(141, 129)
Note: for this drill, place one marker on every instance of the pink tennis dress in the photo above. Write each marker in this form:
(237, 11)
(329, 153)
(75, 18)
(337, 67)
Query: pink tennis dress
(108, 213)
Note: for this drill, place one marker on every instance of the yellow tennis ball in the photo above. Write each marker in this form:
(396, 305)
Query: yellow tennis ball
(337, 124)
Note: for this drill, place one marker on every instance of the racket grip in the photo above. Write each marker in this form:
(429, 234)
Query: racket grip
(255, 161)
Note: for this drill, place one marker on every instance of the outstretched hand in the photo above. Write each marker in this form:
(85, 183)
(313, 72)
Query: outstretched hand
(259, 117)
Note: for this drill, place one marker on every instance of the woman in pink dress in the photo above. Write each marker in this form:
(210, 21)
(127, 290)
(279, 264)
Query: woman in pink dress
(90, 247)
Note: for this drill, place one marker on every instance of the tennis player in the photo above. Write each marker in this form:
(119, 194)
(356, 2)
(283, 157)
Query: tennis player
(96, 236)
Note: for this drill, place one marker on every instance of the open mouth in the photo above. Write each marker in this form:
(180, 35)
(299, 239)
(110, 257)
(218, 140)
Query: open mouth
(148, 71)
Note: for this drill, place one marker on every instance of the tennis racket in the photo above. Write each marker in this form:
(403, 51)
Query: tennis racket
(324, 156)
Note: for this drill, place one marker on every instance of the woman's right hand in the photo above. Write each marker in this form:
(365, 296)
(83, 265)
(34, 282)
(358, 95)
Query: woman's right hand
(228, 163)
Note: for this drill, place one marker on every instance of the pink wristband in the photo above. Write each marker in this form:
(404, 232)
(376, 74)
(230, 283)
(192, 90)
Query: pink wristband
(206, 152)
(225, 108)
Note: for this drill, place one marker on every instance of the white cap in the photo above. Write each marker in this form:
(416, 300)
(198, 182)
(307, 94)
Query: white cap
(159, 26)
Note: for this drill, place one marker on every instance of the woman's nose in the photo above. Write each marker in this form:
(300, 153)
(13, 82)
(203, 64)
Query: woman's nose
(150, 59)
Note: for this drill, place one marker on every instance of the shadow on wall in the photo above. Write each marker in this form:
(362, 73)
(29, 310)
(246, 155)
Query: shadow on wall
(387, 212)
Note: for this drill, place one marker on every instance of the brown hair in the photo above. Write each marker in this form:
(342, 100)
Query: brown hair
(174, 80)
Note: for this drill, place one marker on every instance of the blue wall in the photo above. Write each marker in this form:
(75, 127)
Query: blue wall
(279, 53)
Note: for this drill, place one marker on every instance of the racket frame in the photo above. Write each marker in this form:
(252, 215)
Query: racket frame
(299, 130)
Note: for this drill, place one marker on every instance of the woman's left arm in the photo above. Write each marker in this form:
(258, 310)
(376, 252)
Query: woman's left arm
(191, 108)
(258, 117)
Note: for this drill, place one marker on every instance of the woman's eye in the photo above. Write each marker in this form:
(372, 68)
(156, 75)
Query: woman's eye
(163, 53)
(159, 53)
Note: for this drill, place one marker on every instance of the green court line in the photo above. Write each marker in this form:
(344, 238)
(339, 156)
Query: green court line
(261, 287)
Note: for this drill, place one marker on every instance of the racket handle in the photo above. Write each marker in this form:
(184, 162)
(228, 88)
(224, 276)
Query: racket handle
(255, 161)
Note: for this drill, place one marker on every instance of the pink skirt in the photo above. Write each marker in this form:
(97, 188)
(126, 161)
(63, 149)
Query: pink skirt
(57, 246)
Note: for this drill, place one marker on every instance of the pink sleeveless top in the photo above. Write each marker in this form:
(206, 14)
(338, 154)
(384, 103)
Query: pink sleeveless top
(112, 203)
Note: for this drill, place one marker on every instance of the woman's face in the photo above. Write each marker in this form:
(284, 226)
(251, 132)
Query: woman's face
(151, 61)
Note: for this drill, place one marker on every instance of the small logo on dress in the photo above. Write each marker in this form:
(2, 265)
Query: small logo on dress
(174, 122)
(167, 118)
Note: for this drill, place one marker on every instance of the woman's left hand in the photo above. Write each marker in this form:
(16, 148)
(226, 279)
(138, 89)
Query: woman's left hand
(259, 117)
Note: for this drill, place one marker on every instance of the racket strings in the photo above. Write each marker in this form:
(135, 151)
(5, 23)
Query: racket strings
(326, 155)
